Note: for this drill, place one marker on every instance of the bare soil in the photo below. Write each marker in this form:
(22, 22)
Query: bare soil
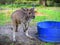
(6, 35)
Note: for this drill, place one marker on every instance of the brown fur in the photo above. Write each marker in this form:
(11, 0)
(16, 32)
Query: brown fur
(22, 16)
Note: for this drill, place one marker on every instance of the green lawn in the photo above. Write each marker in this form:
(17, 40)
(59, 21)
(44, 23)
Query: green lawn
(53, 13)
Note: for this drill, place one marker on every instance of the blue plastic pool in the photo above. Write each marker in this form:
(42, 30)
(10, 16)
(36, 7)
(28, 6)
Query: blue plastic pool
(49, 31)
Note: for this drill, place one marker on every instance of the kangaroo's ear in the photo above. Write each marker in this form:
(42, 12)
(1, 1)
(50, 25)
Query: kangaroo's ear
(24, 10)
(32, 9)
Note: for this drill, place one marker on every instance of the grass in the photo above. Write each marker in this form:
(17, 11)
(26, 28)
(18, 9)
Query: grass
(52, 13)
(4, 17)
(10, 6)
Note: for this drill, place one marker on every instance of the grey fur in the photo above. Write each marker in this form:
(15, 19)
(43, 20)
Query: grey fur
(22, 16)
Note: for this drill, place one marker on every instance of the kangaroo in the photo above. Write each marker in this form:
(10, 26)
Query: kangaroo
(22, 16)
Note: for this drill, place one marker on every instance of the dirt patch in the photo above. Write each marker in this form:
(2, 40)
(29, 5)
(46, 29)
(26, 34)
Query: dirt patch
(6, 36)
(6, 32)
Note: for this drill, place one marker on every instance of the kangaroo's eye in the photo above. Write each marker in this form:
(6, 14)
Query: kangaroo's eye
(29, 12)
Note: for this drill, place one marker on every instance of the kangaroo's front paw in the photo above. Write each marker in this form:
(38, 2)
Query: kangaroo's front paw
(16, 30)
(25, 29)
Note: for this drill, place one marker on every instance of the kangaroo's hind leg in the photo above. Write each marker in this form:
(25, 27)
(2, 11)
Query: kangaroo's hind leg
(15, 29)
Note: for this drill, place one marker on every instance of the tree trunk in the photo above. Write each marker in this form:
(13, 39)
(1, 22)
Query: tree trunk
(43, 2)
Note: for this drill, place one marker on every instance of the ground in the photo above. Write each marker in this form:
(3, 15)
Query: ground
(6, 36)
(20, 36)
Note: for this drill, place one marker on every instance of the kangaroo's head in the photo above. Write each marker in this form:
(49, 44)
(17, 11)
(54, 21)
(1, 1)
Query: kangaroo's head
(29, 13)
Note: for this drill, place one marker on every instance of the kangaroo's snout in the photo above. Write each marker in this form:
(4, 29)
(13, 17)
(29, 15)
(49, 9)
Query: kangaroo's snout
(33, 17)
